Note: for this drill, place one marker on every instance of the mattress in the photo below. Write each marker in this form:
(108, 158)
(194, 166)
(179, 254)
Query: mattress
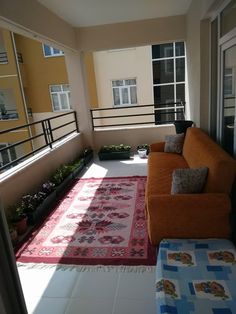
(196, 276)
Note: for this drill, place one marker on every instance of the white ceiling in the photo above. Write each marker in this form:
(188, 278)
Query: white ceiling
(98, 12)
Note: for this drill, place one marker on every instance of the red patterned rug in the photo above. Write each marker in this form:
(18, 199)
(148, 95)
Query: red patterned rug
(99, 222)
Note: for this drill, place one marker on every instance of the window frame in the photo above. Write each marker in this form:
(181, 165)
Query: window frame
(59, 99)
(130, 104)
(61, 53)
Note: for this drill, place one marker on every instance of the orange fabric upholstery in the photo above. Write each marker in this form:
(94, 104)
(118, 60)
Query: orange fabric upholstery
(202, 215)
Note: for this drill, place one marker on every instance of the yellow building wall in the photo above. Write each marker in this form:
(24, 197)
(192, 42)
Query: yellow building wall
(91, 79)
(40, 72)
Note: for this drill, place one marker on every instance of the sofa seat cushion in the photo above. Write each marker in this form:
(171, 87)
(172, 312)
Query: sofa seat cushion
(160, 169)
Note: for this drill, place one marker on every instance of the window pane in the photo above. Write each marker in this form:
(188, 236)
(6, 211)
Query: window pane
(5, 157)
(118, 83)
(179, 49)
(64, 103)
(133, 95)
(55, 88)
(163, 94)
(130, 82)
(55, 102)
(163, 71)
(162, 51)
(180, 70)
(116, 96)
(56, 51)
(125, 96)
(47, 50)
(228, 20)
(65, 87)
(180, 92)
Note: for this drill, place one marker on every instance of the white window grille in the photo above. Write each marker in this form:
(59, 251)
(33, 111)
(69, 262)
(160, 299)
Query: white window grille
(60, 96)
(124, 92)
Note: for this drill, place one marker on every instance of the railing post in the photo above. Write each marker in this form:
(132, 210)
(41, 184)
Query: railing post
(44, 127)
(76, 121)
(50, 132)
(91, 114)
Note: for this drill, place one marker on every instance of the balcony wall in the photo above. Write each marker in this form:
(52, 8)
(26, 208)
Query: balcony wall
(28, 178)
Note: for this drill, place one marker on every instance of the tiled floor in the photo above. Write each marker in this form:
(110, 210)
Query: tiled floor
(97, 292)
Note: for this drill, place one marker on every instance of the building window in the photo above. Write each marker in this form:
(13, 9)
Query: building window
(60, 95)
(124, 92)
(229, 82)
(7, 155)
(168, 66)
(51, 52)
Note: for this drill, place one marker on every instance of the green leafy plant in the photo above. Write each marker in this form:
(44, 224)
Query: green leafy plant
(17, 213)
(61, 173)
(88, 150)
(115, 148)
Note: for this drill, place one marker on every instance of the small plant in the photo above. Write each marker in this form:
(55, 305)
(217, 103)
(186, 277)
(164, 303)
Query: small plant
(48, 187)
(143, 146)
(30, 202)
(115, 148)
(61, 173)
(86, 152)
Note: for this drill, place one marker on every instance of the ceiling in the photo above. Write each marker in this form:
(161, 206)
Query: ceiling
(81, 13)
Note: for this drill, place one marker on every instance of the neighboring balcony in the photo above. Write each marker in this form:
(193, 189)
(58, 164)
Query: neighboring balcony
(3, 58)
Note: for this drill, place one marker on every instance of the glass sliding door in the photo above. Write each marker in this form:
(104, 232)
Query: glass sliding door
(228, 87)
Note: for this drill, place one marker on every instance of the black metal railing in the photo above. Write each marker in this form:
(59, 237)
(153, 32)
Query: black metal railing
(3, 57)
(160, 114)
(43, 129)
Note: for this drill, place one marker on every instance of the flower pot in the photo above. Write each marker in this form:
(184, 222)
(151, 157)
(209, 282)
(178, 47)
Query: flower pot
(114, 155)
(182, 125)
(21, 225)
(42, 209)
(13, 236)
(142, 153)
(88, 157)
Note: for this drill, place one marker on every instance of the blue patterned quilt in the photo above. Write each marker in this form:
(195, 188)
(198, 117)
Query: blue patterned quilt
(196, 276)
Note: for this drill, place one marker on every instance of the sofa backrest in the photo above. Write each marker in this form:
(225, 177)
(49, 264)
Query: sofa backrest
(200, 150)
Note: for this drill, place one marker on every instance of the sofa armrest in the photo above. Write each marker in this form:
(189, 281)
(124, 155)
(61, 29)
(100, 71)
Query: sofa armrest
(188, 216)
(157, 147)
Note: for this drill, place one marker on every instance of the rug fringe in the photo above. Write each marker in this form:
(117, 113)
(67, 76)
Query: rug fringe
(89, 268)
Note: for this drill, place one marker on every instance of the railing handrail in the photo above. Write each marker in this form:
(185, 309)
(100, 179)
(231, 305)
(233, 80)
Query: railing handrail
(33, 123)
(174, 106)
(47, 133)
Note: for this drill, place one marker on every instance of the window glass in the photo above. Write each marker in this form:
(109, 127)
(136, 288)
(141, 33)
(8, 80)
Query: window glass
(162, 51)
(124, 92)
(55, 101)
(50, 51)
(163, 94)
(163, 71)
(179, 49)
(64, 103)
(55, 88)
(180, 69)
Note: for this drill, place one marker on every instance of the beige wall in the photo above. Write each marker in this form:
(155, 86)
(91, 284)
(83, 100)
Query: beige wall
(123, 64)
(28, 179)
(33, 16)
(132, 136)
(131, 34)
(91, 80)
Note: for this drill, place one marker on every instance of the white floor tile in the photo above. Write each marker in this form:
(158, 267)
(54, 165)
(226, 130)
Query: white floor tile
(136, 286)
(61, 284)
(128, 306)
(51, 305)
(96, 284)
(90, 306)
(35, 281)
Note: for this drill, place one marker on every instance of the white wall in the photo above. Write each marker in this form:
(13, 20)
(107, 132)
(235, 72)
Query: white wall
(123, 64)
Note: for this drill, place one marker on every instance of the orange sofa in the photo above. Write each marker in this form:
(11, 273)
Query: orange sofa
(204, 215)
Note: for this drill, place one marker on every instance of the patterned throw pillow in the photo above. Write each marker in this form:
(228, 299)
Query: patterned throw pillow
(174, 143)
(189, 180)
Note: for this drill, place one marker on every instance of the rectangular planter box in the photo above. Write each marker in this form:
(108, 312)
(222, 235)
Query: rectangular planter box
(88, 158)
(77, 171)
(114, 155)
(42, 209)
(64, 185)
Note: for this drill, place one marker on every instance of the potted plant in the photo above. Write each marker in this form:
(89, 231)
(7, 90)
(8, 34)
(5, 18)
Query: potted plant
(87, 155)
(13, 233)
(143, 150)
(77, 166)
(19, 219)
(110, 152)
(62, 178)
